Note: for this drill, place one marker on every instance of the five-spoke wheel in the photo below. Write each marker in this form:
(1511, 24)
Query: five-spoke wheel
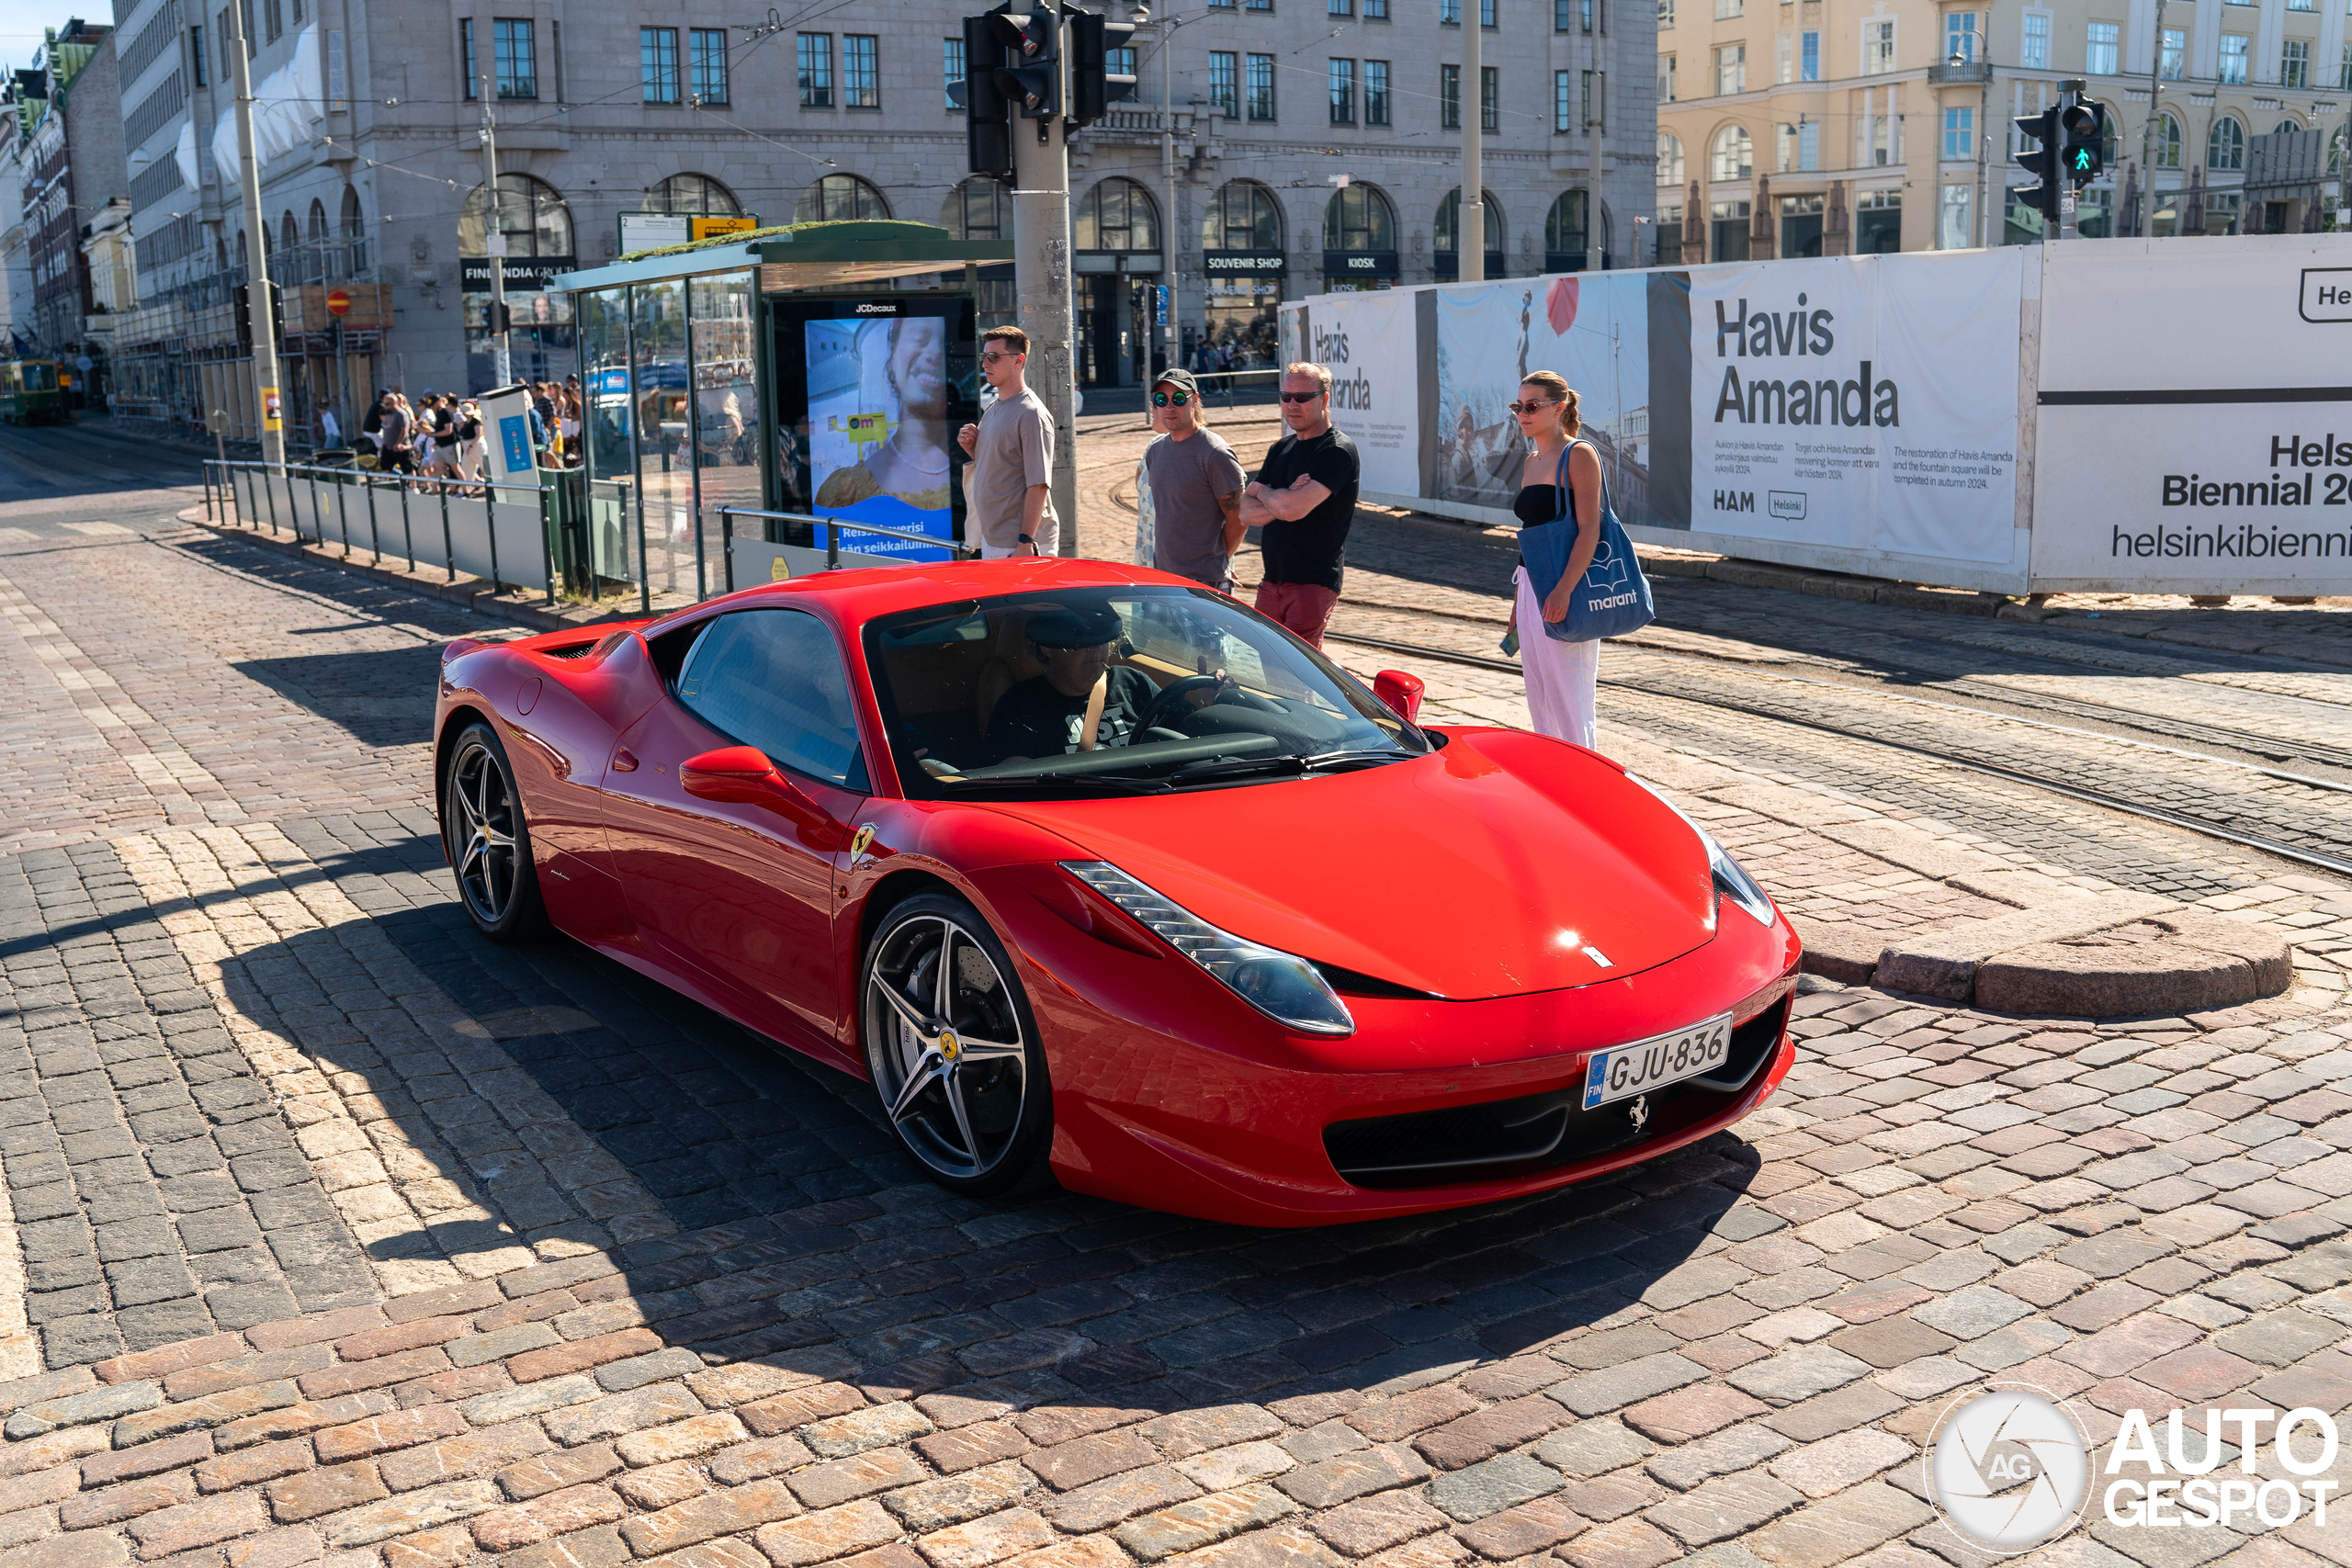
(951, 1047)
(487, 841)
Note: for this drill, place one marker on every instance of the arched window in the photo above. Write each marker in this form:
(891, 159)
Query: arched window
(530, 214)
(1669, 158)
(2225, 148)
(1449, 219)
(836, 198)
(978, 209)
(2284, 126)
(289, 235)
(2168, 140)
(1242, 216)
(1734, 157)
(1564, 226)
(696, 196)
(1359, 218)
(354, 222)
(318, 219)
(1116, 215)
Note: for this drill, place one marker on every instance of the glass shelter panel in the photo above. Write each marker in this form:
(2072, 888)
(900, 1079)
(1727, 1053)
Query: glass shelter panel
(664, 471)
(605, 437)
(722, 313)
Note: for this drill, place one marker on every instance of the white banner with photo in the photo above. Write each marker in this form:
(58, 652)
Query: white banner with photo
(1866, 406)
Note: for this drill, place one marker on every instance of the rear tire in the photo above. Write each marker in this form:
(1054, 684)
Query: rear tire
(952, 1049)
(488, 841)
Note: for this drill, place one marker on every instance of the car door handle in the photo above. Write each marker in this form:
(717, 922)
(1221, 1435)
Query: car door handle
(624, 761)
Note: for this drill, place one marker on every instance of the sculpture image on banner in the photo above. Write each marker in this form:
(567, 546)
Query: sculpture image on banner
(1592, 330)
(877, 427)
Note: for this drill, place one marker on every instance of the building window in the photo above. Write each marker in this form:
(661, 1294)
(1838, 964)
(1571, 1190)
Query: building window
(2176, 53)
(1489, 96)
(1261, 85)
(951, 68)
(2344, 72)
(1564, 101)
(465, 55)
(516, 56)
(1665, 14)
(1445, 232)
(838, 197)
(2168, 140)
(1221, 5)
(1596, 97)
(1340, 8)
(657, 63)
(1960, 134)
(1730, 222)
(2102, 43)
(2233, 58)
(1224, 85)
(1726, 9)
(531, 216)
(1731, 70)
(1959, 35)
(1449, 13)
(1344, 92)
(1563, 16)
(1587, 15)
(196, 54)
(1242, 216)
(2034, 54)
(1809, 57)
(274, 19)
(816, 65)
(1358, 218)
(1878, 46)
(1116, 215)
(2295, 64)
(1733, 155)
(1376, 10)
(978, 208)
(1449, 97)
(1666, 78)
(861, 72)
(2225, 148)
(696, 195)
(1486, 13)
(1260, 5)
(1784, 56)
(707, 64)
(1670, 159)
(1375, 92)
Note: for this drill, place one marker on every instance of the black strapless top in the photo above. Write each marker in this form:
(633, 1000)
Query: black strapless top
(1535, 504)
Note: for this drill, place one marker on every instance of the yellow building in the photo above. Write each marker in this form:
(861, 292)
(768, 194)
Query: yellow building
(1846, 127)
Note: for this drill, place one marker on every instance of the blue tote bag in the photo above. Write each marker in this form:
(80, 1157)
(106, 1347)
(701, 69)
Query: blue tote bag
(1614, 597)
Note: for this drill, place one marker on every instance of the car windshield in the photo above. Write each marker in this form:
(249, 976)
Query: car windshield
(1102, 691)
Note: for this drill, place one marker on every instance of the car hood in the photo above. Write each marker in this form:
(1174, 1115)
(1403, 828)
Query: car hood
(1505, 864)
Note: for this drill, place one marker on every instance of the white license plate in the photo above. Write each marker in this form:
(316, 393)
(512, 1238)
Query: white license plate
(1627, 1070)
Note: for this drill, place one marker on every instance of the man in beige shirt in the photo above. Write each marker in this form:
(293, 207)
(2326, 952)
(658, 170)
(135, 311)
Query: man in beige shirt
(1008, 489)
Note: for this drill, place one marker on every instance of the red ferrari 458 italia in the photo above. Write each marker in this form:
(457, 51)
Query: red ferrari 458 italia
(1086, 867)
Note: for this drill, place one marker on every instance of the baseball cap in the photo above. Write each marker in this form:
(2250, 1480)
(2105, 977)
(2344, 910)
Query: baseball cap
(1182, 379)
(1062, 626)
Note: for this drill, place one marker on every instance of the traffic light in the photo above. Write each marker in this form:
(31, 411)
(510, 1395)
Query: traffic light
(243, 304)
(2041, 161)
(988, 114)
(2085, 123)
(1032, 76)
(1099, 55)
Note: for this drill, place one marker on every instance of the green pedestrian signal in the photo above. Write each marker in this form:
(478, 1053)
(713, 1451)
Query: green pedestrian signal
(2084, 122)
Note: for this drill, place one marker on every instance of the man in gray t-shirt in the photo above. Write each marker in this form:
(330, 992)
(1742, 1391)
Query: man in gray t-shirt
(1197, 486)
(1008, 489)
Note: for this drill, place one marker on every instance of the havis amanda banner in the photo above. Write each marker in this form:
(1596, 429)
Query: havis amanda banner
(2194, 420)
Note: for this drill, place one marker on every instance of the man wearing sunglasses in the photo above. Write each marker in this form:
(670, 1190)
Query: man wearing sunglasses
(1304, 501)
(1008, 491)
(1195, 487)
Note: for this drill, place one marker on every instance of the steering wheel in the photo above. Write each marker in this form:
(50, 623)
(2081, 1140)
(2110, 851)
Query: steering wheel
(1171, 703)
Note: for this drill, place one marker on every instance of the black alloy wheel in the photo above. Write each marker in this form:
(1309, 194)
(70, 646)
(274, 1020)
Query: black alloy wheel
(487, 841)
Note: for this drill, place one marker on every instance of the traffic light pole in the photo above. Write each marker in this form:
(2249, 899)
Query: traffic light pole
(1041, 272)
(262, 319)
(1470, 100)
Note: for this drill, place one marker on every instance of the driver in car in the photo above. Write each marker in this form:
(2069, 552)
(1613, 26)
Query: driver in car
(1081, 702)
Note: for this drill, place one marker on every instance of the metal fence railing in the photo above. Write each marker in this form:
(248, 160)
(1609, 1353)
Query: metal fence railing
(829, 530)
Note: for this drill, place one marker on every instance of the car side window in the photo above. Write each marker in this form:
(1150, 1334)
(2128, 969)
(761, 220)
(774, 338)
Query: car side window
(774, 679)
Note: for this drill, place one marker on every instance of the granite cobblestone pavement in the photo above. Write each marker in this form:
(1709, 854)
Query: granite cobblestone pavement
(616, 1285)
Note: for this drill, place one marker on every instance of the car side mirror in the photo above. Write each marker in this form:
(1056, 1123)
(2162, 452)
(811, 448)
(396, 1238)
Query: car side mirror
(741, 774)
(1401, 692)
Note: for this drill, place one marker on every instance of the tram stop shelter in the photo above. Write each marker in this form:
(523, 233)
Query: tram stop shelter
(756, 395)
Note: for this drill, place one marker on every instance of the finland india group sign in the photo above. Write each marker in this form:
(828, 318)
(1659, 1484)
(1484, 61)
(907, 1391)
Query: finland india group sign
(1883, 415)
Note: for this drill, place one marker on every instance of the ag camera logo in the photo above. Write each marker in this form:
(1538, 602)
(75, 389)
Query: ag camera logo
(2010, 1471)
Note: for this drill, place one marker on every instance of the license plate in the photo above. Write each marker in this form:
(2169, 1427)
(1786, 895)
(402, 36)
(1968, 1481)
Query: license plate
(1624, 1071)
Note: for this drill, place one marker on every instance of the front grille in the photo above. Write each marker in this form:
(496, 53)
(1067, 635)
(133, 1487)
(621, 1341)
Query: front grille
(1501, 1138)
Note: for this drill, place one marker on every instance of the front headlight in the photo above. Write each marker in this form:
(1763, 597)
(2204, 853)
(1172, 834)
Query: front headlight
(1731, 878)
(1283, 986)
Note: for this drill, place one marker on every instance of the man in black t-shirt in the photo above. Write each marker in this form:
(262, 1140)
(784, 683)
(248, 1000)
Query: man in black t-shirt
(1046, 714)
(1304, 501)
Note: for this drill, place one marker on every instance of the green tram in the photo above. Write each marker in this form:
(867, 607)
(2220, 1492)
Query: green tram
(29, 392)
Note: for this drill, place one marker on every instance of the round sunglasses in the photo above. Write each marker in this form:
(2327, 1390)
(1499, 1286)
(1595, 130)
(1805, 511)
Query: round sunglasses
(1161, 399)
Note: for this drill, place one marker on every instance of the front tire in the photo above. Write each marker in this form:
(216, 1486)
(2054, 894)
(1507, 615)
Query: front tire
(952, 1048)
(488, 841)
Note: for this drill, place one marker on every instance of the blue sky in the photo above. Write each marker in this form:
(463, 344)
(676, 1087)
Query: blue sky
(21, 22)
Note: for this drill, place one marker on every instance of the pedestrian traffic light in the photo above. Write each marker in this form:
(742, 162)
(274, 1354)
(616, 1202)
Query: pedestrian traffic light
(1101, 65)
(1032, 77)
(2085, 123)
(243, 303)
(2040, 160)
(988, 113)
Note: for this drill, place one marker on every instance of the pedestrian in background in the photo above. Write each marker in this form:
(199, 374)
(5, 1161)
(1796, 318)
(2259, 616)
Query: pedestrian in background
(1195, 487)
(1304, 501)
(1560, 479)
(1008, 489)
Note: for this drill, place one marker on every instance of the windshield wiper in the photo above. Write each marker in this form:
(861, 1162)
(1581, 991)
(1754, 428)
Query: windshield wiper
(1112, 783)
(1289, 763)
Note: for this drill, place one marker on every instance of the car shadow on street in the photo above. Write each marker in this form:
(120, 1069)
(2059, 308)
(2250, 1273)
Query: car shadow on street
(381, 696)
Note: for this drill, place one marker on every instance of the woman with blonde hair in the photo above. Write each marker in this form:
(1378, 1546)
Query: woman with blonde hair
(1559, 481)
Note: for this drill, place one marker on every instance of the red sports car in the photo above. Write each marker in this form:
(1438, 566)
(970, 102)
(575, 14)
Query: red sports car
(1087, 867)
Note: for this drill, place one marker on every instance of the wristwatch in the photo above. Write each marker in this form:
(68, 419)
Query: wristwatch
(1025, 539)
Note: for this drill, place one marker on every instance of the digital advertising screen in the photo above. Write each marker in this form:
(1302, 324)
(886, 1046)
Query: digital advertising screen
(876, 388)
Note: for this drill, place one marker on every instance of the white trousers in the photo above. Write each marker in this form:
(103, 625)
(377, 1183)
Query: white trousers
(1560, 676)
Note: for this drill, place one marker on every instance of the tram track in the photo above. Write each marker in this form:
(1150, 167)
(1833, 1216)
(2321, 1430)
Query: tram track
(2106, 799)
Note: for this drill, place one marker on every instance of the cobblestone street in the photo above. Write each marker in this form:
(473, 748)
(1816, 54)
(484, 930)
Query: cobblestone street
(336, 1235)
